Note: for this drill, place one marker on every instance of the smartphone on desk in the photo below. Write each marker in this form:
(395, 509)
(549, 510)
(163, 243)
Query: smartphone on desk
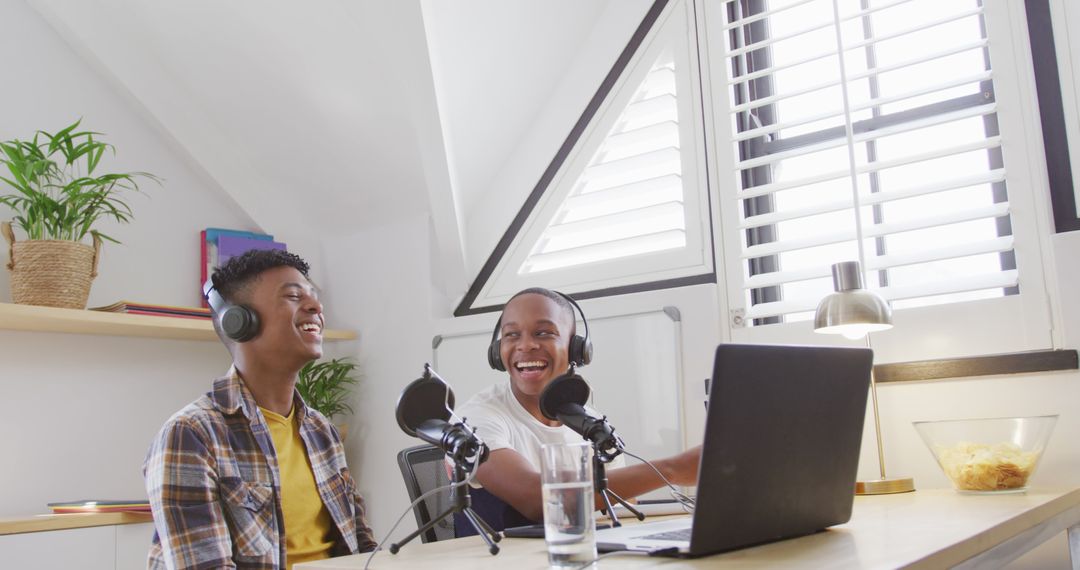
(535, 530)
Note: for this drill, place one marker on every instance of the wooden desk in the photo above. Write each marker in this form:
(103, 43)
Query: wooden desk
(924, 529)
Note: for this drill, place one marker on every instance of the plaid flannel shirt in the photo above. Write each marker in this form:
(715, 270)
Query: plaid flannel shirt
(215, 490)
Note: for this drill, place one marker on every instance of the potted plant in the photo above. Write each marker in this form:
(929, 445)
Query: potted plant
(58, 195)
(324, 385)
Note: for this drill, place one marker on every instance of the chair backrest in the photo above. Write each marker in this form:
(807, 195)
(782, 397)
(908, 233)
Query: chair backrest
(424, 469)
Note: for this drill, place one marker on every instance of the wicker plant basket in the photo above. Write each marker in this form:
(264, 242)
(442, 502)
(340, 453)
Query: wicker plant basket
(51, 273)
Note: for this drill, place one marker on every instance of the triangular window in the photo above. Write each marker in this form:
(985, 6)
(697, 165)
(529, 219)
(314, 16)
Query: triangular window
(628, 206)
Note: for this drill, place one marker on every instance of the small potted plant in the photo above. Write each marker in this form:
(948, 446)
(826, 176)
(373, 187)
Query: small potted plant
(58, 196)
(324, 385)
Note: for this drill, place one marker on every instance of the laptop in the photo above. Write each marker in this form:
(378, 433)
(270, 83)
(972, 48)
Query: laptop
(782, 436)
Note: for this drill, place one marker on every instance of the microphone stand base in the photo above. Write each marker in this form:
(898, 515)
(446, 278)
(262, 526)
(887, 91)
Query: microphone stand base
(885, 486)
(461, 504)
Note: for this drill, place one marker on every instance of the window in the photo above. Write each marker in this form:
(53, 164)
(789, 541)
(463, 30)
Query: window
(872, 131)
(628, 207)
(629, 199)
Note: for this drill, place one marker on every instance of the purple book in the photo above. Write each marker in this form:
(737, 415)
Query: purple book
(231, 246)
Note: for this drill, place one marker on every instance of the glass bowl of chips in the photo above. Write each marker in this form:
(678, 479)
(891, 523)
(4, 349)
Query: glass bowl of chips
(988, 455)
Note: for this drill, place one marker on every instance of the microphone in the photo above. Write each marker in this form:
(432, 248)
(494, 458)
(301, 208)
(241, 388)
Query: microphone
(424, 410)
(564, 400)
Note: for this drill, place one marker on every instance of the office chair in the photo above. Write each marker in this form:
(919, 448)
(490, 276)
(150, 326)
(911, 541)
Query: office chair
(424, 469)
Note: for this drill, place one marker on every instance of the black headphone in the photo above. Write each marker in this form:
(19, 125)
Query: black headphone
(581, 350)
(238, 322)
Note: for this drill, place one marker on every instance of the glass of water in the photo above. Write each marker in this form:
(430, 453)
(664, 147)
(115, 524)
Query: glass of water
(569, 527)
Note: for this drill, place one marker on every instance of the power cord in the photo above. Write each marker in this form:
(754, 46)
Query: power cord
(435, 491)
(683, 499)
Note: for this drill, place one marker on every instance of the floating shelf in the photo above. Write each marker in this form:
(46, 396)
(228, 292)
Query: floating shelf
(49, 319)
(75, 520)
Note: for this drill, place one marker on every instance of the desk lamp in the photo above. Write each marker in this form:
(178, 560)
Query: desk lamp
(855, 312)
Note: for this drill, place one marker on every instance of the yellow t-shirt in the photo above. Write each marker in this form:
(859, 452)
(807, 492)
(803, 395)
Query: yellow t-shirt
(308, 527)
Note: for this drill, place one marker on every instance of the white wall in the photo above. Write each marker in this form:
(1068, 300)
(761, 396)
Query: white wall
(79, 411)
(386, 273)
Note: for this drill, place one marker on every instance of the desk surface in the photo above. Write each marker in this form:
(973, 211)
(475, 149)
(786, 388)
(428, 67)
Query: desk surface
(924, 529)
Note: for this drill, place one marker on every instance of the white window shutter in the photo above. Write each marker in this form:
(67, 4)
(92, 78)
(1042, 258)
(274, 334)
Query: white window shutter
(868, 131)
(629, 205)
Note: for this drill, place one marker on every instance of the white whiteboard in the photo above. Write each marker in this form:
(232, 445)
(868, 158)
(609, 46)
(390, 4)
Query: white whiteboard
(635, 375)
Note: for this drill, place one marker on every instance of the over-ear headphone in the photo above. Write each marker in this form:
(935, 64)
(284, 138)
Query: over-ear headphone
(238, 322)
(580, 353)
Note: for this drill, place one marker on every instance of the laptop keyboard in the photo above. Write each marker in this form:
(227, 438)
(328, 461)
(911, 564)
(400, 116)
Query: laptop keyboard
(681, 535)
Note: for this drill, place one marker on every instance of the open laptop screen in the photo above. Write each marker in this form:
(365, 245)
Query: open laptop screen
(782, 438)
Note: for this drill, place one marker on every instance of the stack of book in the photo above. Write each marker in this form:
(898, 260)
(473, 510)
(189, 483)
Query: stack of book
(134, 308)
(96, 506)
(218, 245)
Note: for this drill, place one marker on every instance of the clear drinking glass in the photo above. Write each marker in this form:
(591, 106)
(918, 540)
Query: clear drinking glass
(569, 527)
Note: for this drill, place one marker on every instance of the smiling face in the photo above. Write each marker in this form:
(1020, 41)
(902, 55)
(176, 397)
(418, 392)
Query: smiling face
(290, 317)
(535, 334)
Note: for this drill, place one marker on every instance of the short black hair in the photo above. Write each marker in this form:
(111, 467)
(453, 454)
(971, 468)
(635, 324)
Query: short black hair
(238, 272)
(559, 299)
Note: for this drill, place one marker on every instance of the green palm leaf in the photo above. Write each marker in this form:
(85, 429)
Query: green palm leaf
(56, 194)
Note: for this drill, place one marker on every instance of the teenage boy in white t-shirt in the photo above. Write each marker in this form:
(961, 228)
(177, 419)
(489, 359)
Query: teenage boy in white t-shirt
(536, 328)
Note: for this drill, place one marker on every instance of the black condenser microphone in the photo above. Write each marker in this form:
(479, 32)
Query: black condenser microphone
(564, 400)
(424, 410)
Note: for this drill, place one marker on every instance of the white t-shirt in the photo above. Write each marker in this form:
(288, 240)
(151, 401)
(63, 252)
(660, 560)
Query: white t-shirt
(502, 422)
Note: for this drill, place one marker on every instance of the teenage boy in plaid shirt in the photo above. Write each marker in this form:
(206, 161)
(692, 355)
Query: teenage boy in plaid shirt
(248, 476)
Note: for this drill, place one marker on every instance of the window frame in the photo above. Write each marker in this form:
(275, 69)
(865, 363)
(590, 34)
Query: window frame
(1063, 193)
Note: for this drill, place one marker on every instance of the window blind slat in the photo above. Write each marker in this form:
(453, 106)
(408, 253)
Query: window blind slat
(875, 134)
(931, 221)
(783, 246)
(774, 68)
(794, 214)
(774, 278)
(766, 189)
(957, 82)
(916, 61)
(878, 102)
(1003, 243)
(956, 285)
(643, 112)
(765, 14)
(648, 243)
(988, 142)
(754, 104)
(772, 40)
(944, 287)
(876, 39)
(669, 214)
(640, 141)
(632, 169)
(626, 197)
(989, 177)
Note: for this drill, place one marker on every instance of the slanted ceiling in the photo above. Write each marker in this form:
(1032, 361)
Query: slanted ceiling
(335, 115)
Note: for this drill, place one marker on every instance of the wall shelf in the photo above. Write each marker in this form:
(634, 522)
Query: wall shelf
(49, 319)
(41, 523)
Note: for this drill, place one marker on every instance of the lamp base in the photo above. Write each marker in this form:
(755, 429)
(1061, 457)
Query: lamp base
(885, 486)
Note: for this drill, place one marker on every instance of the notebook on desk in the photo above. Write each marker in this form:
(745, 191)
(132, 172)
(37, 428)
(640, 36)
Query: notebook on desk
(780, 455)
